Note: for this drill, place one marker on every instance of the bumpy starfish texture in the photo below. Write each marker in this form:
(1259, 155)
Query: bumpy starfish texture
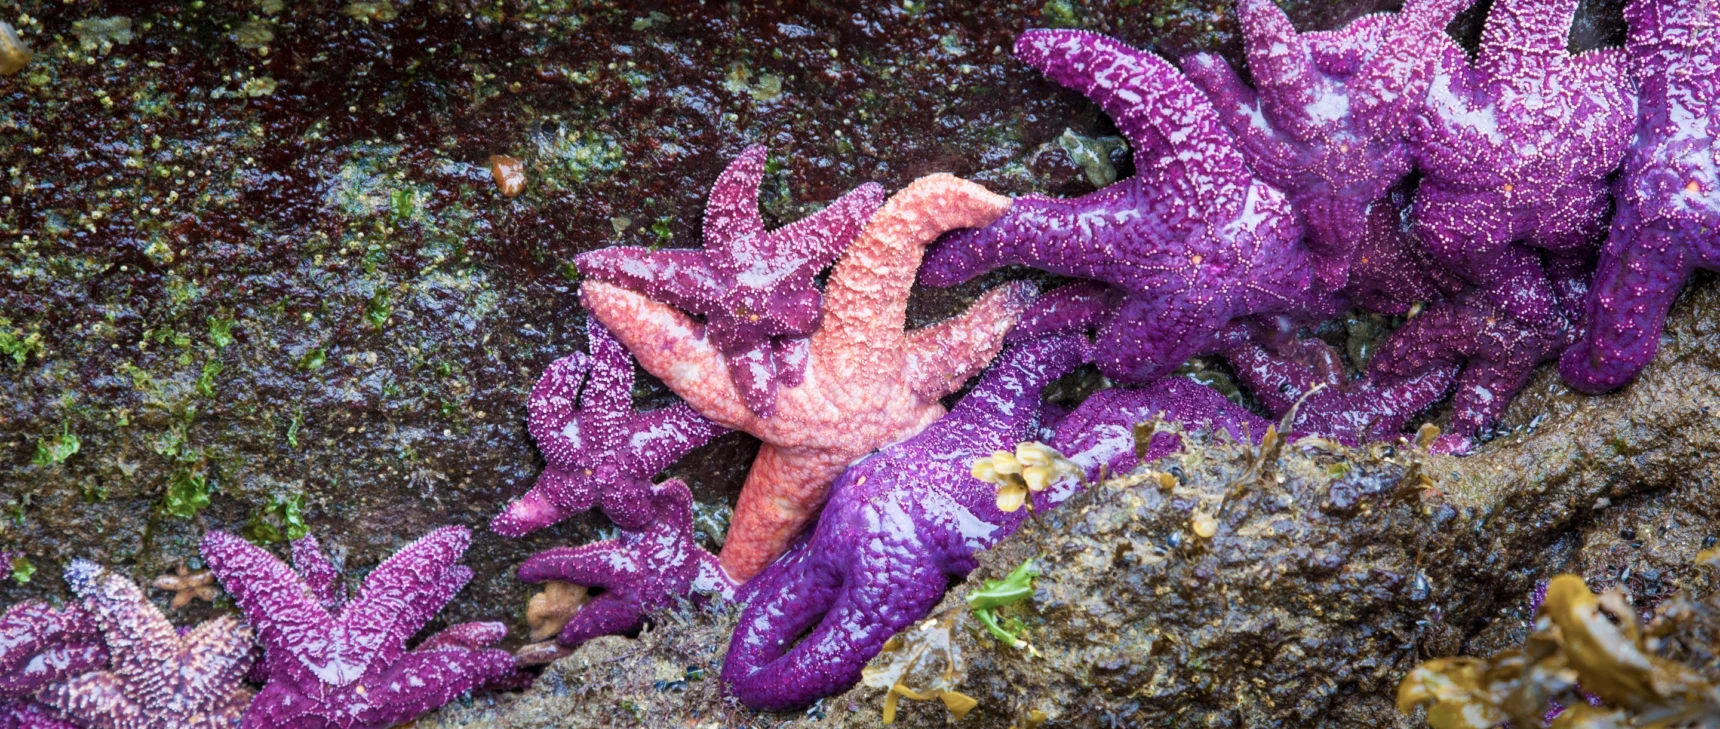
(1515, 151)
(599, 450)
(1192, 241)
(1668, 219)
(334, 662)
(156, 678)
(907, 520)
(1307, 377)
(40, 645)
(754, 288)
(30, 715)
(639, 573)
(867, 383)
(1301, 131)
(1498, 353)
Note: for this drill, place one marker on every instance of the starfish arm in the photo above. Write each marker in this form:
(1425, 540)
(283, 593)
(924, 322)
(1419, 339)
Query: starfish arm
(318, 573)
(1521, 35)
(415, 577)
(1280, 380)
(1099, 435)
(465, 636)
(816, 240)
(1457, 229)
(273, 598)
(219, 653)
(680, 277)
(1075, 307)
(670, 346)
(30, 715)
(139, 637)
(607, 399)
(1640, 275)
(783, 492)
(612, 565)
(1035, 232)
(1342, 52)
(48, 665)
(96, 699)
(663, 436)
(1484, 389)
(944, 355)
(553, 411)
(866, 300)
(1236, 103)
(557, 495)
(1169, 123)
(1148, 337)
(1364, 410)
(731, 213)
(422, 681)
(1282, 65)
(1393, 84)
(753, 370)
(885, 593)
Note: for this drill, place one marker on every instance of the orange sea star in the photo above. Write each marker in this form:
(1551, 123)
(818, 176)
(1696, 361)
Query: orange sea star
(868, 383)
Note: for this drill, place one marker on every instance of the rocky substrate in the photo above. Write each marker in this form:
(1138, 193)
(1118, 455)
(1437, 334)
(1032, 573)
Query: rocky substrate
(1333, 572)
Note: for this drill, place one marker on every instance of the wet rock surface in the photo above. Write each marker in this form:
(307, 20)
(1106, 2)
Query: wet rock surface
(1332, 573)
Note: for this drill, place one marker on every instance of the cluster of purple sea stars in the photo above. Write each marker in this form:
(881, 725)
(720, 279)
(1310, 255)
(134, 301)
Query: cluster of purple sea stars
(115, 662)
(1376, 167)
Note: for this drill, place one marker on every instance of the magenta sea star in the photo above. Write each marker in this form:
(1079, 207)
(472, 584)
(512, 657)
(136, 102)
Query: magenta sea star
(754, 288)
(1668, 219)
(335, 662)
(599, 450)
(1192, 241)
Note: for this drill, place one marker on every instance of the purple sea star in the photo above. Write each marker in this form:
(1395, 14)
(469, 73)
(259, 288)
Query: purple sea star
(1284, 373)
(157, 678)
(639, 573)
(599, 450)
(1192, 241)
(334, 662)
(1497, 351)
(1515, 150)
(1302, 132)
(905, 521)
(39, 646)
(1668, 219)
(753, 288)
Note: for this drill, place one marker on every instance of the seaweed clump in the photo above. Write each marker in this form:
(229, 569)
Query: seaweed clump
(1588, 663)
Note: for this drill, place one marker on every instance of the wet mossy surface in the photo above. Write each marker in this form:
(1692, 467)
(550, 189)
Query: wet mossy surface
(251, 253)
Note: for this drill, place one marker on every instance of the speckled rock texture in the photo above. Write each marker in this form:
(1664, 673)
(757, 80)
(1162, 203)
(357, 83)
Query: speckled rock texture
(1332, 572)
(286, 281)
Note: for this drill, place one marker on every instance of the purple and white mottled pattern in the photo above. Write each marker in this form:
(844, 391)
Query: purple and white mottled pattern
(754, 288)
(156, 677)
(1667, 223)
(640, 572)
(27, 714)
(39, 646)
(599, 450)
(905, 521)
(1301, 131)
(335, 662)
(1515, 150)
(1192, 241)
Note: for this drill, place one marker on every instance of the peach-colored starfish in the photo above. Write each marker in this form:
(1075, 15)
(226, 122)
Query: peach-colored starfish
(868, 383)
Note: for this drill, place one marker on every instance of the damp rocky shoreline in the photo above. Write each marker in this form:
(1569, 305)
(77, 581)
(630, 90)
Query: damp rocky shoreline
(257, 277)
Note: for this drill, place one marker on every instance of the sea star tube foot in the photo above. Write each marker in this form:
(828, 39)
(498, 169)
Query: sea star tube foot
(599, 450)
(867, 382)
(1192, 241)
(1668, 219)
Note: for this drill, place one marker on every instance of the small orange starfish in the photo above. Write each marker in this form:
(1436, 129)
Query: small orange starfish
(187, 586)
(868, 383)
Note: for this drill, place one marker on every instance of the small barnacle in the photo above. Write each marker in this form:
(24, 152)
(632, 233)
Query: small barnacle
(1203, 525)
(509, 174)
(1032, 468)
(14, 55)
